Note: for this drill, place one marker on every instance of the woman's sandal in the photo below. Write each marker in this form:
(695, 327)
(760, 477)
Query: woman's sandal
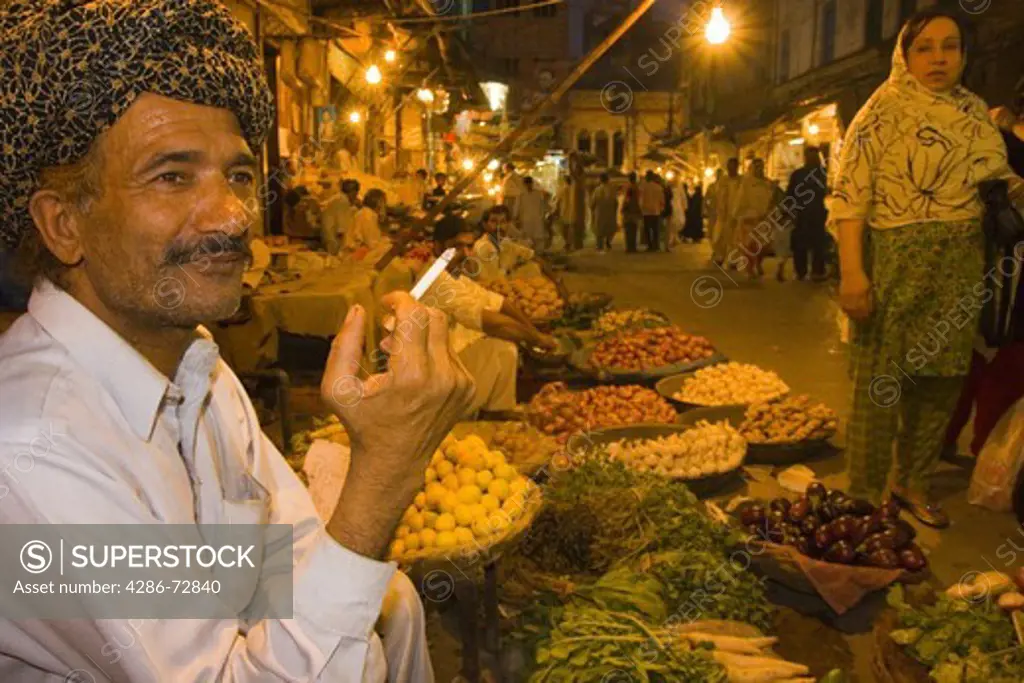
(931, 514)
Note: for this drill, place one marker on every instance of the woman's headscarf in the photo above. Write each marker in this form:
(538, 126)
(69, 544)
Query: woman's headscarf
(912, 155)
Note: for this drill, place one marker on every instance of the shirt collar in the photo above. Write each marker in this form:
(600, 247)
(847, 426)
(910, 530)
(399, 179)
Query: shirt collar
(136, 386)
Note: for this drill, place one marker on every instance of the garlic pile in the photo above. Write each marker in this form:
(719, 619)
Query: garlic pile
(701, 451)
(731, 384)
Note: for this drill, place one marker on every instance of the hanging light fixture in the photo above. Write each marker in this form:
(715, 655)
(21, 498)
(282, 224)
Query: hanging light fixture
(373, 75)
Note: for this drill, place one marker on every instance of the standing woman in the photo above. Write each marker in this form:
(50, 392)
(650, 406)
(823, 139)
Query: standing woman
(908, 213)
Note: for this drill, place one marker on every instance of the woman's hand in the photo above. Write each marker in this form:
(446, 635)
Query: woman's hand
(855, 295)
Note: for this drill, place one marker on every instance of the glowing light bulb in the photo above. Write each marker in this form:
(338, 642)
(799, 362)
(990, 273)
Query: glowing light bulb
(355, 117)
(390, 56)
(493, 165)
(718, 29)
(425, 95)
(813, 129)
(709, 172)
(467, 164)
(373, 75)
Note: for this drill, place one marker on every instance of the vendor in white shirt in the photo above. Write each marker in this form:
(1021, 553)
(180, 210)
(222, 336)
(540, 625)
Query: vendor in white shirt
(137, 232)
(339, 216)
(498, 255)
(486, 328)
(365, 236)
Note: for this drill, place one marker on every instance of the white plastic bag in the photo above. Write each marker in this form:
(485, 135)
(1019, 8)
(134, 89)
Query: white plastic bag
(1000, 463)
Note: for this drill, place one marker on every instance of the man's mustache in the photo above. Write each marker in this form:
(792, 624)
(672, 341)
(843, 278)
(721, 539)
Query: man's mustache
(207, 247)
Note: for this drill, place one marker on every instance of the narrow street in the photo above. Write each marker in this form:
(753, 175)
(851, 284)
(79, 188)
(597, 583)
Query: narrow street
(792, 329)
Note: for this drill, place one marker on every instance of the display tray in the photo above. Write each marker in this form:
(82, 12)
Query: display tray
(757, 454)
(779, 566)
(705, 487)
(482, 550)
(580, 360)
(668, 387)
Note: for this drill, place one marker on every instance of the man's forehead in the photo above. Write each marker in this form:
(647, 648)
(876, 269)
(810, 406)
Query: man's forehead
(154, 123)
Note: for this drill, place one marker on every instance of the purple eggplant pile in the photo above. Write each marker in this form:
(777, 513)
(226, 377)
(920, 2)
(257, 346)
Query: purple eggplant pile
(832, 526)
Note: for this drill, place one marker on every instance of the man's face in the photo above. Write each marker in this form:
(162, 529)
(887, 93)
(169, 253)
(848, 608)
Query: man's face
(463, 244)
(167, 241)
(495, 223)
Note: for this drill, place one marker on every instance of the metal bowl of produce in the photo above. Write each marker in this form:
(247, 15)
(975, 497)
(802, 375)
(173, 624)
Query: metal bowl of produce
(789, 453)
(551, 359)
(702, 487)
(670, 386)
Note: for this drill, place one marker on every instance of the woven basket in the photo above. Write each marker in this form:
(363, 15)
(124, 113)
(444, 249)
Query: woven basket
(482, 550)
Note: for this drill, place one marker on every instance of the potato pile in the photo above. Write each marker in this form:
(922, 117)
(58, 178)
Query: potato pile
(537, 297)
(731, 384)
(557, 411)
(702, 451)
(523, 446)
(613, 321)
(471, 493)
(787, 420)
(646, 349)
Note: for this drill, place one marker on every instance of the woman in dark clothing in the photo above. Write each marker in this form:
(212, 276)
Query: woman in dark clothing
(694, 227)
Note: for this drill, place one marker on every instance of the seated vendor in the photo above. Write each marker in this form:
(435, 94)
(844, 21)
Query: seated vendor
(485, 327)
(339, 216)
(499, 256)
(365, 235)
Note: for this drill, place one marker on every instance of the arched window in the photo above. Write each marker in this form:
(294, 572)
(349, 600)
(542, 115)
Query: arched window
(618, 149)
(601, 147)
(583, 141)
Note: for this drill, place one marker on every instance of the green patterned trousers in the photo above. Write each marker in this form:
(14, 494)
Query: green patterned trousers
(909, 360)
(908, 414)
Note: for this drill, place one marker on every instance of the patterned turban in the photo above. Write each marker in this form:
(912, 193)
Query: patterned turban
(70, 68)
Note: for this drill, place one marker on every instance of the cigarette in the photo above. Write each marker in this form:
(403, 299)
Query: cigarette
(424, 285)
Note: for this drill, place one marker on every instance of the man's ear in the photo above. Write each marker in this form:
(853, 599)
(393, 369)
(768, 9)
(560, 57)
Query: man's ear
(59, 226)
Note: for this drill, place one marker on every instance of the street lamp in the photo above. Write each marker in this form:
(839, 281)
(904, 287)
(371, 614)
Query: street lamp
(373, 75)
(718, 29)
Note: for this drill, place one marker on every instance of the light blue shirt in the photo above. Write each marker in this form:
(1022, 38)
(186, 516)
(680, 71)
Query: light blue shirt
(91, 432)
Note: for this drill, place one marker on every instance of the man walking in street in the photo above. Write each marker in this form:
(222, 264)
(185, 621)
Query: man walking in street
(631, 214)
(807, 189)
(603, 207)
(652, 203)
(725, 194)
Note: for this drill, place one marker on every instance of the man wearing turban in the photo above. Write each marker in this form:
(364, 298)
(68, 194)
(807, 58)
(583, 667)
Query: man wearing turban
(128, 134)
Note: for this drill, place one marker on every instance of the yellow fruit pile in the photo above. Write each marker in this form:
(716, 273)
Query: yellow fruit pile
(471, 493)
